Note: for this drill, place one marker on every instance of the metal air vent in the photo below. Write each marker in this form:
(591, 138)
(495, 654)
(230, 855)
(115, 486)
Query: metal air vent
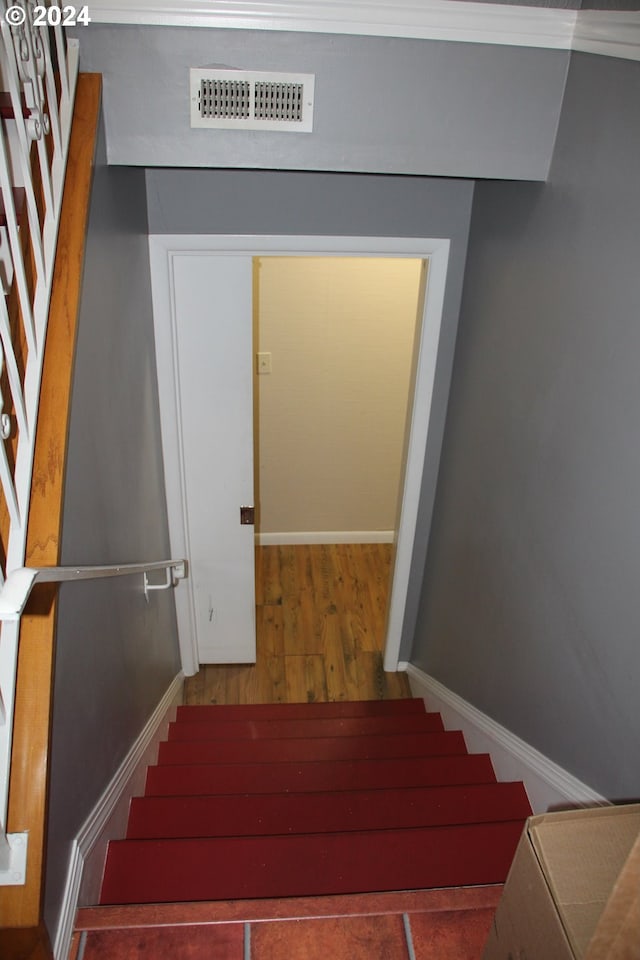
(251, 100)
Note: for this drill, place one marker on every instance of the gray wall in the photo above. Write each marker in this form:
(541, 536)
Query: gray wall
(269, 202)
(382, 105)
(116, 655)
(530, 608)
(610, 5)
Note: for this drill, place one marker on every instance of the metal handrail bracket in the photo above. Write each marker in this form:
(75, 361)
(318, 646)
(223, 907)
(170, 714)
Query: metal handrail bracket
(13, 859)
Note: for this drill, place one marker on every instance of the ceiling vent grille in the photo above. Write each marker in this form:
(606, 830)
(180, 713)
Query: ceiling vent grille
(250, 100)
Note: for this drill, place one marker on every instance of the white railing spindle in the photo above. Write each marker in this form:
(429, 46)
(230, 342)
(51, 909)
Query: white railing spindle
(6, 185)
(67, 89)
(7, 355)
(20, 85)
(52, 102)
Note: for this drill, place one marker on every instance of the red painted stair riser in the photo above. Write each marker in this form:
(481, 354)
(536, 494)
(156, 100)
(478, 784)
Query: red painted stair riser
(315, 748)
(299, 728)
(274, 711)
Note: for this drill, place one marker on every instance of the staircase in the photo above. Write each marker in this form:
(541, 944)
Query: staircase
(311, 800)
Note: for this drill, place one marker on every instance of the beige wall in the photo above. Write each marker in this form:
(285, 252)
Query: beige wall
(331, 414)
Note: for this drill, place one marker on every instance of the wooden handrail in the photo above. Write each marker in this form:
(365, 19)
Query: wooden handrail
(23, 934)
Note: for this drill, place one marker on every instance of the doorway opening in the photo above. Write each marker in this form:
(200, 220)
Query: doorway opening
(217, 274)
(334, 339)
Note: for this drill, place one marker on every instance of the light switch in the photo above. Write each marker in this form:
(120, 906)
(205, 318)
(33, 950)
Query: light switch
(263, 363)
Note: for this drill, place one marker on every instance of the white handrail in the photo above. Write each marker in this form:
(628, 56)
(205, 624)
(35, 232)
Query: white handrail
(20, 583)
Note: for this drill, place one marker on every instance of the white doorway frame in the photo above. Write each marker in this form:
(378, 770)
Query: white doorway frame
(162, 249)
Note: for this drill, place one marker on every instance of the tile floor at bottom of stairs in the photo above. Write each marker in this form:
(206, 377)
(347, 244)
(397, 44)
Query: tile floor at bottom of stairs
(426, 935)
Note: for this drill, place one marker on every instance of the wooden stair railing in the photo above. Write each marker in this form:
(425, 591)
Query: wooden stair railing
(22, 932)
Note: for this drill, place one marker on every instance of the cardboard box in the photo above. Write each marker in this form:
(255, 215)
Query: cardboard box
(573, 889)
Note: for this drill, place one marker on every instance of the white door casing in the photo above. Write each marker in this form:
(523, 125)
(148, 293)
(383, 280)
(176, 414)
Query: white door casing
(229, 263)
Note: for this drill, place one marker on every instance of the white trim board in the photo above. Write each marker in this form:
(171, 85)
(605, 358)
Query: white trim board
(298, 537)
(163, 248)
(464, 21)
(108, 819)
(608, 32)
(547, 784)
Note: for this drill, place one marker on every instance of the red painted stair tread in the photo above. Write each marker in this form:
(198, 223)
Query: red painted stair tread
(265, 814)
(177, 780)
(148, 871)
(316, 748)
(302, 800)
(300, 728)
(307, 711)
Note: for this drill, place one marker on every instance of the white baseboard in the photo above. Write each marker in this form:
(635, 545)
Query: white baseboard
(108, 820)
(548, 786)
(324, 536)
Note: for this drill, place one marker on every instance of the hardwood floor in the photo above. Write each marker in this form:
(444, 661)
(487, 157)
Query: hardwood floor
(320, 620)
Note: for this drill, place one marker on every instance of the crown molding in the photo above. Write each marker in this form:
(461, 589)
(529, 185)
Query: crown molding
(607, 32)
(462, 21)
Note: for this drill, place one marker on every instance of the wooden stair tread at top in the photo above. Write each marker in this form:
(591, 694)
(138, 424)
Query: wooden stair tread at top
(288, 711)
(318, 748)
(145, 871)
(324, 812)
(316, 727)
(287, 777)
